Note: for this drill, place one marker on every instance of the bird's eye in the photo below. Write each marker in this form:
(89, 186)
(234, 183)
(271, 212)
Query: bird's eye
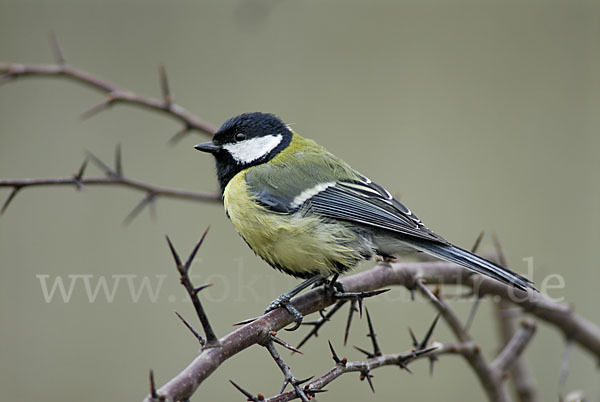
(240, 137)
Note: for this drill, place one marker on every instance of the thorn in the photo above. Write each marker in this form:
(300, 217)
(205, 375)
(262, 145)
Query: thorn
(425, 340)
(188, 263)
(98, 107)
(360, 308)
(284, 344)
(432, 361)
(425, 351)
(153, 393)
(179, 135)
(403, 366)
(367, 374)
(477, 242)
(244, 322)
(196, 334)
(320, 322)
(365, 352)
(300, 382)
(413, 338)
(79, 175)
(286, 381)
(472, 313)
(118, 161)
(499, 250)
(139, 207)
(376, 348)
(349, 322)
(101, 165)
(359, 296)
(152, 208)
(201, 288)
(164, 87)
(334, 355)
(58, 54)
(174, 252)
(9, 199)
(420, 346)
(246, 393)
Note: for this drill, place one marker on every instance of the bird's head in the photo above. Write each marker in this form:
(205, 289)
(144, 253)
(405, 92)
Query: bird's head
(246, 140)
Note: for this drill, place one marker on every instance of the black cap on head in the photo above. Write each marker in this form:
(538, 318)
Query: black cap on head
(246, 140)
(254, 124)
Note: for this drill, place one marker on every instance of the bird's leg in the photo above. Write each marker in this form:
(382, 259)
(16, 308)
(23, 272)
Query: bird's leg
(284, 300)
(333, 285)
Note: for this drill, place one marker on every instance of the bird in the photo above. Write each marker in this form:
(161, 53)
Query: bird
(309, 214)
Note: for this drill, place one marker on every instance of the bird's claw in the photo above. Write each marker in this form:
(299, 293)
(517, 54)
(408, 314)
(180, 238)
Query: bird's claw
(284, 301)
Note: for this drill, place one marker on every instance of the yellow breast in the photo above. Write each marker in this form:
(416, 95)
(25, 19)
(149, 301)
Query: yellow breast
(302, 245)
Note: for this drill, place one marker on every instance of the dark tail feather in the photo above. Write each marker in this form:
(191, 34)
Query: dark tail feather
(476, 263)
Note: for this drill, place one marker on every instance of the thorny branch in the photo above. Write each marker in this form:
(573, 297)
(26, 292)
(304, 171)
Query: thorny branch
(366, 366)
(114, 94)
(490, 374)
(520, 375)
(113, 177)
(375, 360)
(183, 269)
(583, 332)
(412, 275)
(287, 373)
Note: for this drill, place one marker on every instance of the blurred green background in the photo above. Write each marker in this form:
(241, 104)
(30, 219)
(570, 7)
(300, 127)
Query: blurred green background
(480, 115)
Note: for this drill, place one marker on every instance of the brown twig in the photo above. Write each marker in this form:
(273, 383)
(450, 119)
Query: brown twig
(564, 319)
(514, 347)
(488, 377)
(564, 370)
(316, 325)
(418, 345)
(114, 93)
(375, 360)
(183, 269)
(247, 394)
(114, 177)
(576, 329)
(376, 349)
(520, 375)
(343, 367)
(113, 181)
(287, 372)
(191, 329)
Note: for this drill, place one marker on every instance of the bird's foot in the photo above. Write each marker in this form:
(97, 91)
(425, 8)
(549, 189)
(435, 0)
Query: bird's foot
(284, 301)
(332, 286)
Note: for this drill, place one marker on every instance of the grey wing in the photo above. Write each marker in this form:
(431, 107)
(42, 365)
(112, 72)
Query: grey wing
(369, 204)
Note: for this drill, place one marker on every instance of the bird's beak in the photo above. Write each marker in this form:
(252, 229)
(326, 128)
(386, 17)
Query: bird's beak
(209, 147)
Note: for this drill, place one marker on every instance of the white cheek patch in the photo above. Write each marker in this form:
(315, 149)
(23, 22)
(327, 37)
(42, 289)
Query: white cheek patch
(255, 148)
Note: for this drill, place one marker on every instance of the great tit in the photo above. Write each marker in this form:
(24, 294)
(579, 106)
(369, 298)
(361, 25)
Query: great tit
(307, 213)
